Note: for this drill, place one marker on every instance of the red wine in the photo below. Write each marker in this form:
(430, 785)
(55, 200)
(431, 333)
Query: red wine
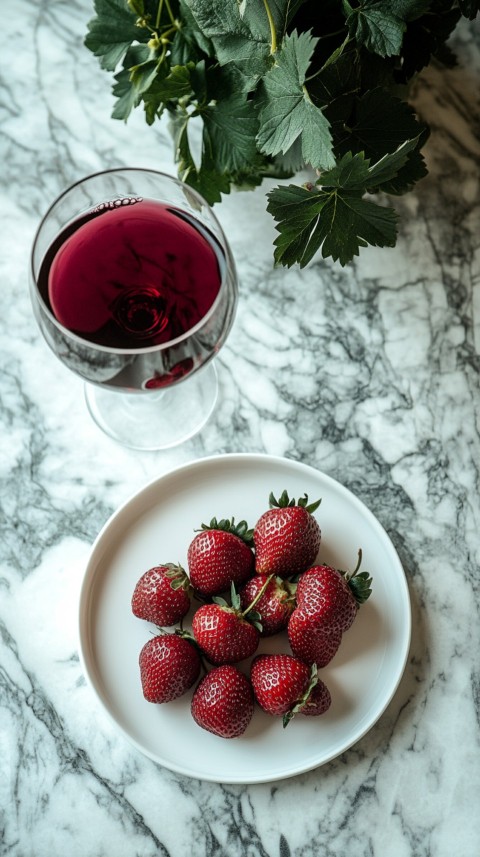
(131, 274)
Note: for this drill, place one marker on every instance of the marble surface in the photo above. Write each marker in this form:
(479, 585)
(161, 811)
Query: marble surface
(369, 373)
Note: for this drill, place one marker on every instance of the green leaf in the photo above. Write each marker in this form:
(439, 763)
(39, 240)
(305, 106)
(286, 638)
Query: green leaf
(235, 597)
(228, 525)
(334, 217)
(249, 179)
(231, 126)
(189, 43)
(286, 109)
(388, 167)
(134, 79)
(124, 92)
(409, 10)
(255, 13)
(392, 173)
(380, 122)
(174, 85)
(351, 172)
(292, 160)
(337, 79)
(207, 180)
(239, 33)
(347, 223)
(112, 32)
(167, 85)
(383, 174)
(361, 587)
(143, 75)
(426, 37)
(415, 169)
(298, 214)
(376, 26)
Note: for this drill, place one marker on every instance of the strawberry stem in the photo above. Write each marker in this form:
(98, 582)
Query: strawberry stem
(291, 588)
(359, 582)
(303, 699)
(357, 567)
(258, 596)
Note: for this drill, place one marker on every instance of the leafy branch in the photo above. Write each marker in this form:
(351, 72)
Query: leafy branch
(278, 86)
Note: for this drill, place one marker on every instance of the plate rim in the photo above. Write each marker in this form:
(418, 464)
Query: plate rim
(89, 576)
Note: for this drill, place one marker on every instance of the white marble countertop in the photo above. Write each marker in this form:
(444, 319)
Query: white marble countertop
(368, 373)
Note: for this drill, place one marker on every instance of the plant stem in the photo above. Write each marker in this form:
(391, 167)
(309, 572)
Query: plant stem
(337, 52)
(334, 33)
(258, 596)
(349, 574)
(162, 55)
(273, 34)
(159, 13)
(359, 562)
(169, 10)
(169, 32)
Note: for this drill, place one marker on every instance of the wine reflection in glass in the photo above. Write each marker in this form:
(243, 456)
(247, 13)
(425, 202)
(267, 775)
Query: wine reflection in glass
(134, 288)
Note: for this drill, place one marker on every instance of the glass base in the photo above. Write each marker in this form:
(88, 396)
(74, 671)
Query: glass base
(157, 420)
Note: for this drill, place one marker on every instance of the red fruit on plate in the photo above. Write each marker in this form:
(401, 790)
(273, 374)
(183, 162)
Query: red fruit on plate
(283, 686)
(223, 702)
(331, 597)
(224, 632)
(275, 605)
(169, 666)
(312, 644)
(327, 603)
(286, 537)
(220, 555)
(162, 595)
(319, 700)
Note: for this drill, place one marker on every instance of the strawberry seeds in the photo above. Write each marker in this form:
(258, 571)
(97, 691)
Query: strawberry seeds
(275, 585)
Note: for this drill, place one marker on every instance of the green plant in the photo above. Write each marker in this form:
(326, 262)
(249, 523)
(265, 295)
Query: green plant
(281, 84)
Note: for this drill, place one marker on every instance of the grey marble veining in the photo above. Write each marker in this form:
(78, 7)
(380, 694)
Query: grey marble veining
(369, 373)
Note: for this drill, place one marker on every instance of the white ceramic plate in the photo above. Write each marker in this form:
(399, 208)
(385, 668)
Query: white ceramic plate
(155, 526)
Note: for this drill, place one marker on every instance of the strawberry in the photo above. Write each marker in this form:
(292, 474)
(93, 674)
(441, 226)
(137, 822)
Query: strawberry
(169, 666)
(219, 555)
(332, 597)
(162, 595)
(275, 605)
(224, 632)
(327, 603)
(223, 702)
(311, 644)
(319, 700)
(283, 686)
(286, 537)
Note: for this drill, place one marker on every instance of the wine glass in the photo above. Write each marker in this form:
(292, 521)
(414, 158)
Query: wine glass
(134, 288)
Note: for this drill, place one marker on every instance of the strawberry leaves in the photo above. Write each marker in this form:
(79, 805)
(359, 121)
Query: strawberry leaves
(252, 616)
(284, 502)
(360, 582)
(228, 525)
